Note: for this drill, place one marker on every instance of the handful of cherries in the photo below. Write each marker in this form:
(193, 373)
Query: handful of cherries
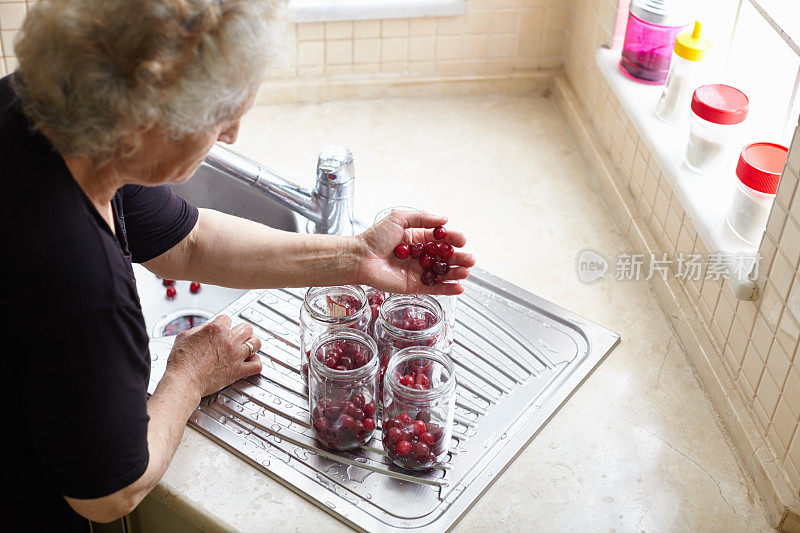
(433, 256)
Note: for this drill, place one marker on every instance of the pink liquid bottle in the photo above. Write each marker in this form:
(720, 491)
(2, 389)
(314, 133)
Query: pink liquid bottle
(653, 26)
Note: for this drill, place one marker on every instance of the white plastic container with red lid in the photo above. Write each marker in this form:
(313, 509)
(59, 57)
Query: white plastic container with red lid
(759, 172)
(718, 112)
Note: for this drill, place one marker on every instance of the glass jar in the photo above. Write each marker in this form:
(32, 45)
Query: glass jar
(343, 403)
(418, 421)
(714, 135)
(375, 299)
(674, 105)
(759, 172)
(449, 303)
(653, 26)
(326, 308)
(408, 320)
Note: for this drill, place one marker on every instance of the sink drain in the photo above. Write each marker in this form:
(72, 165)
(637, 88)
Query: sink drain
(179, 321)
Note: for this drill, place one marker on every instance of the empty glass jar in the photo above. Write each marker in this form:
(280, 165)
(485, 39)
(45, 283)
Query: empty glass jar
(418, 407)
(343, 403)
(326, 308)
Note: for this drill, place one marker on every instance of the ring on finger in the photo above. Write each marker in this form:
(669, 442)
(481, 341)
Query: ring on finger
(251, 347)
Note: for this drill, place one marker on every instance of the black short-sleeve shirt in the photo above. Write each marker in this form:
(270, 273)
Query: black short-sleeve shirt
(74, 346)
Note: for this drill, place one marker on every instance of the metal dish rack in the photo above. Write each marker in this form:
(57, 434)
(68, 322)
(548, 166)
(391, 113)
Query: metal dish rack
(518, 359)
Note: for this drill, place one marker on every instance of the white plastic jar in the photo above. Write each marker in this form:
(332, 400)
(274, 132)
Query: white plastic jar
(718, 112)
(685, 72)
(759, 172)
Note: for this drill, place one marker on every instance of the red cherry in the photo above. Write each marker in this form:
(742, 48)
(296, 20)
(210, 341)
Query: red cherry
(357, 413)
(423, 381)
(404, 419)
(444, 250)
(428, 278)
(369, 424)
(171, 292)
(358, 400)
(418, 427)
(426, 261)
(360, 429)
(194, 287)
(440, 268)
(431, 248)
(427, 438)
(417, 249)
(168, 282)
(321, 425)
(407, 381)
(402, 251)
(349, 408)
(393, 435)
(369, 410)
(348, 423)
(403, 448)
(439, 233)
(346, 362)
(420, 451)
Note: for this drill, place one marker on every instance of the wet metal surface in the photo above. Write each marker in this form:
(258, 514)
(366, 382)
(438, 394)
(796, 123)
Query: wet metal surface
(518, 358)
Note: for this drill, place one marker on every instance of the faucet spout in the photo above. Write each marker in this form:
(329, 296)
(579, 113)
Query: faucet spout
(328, 207)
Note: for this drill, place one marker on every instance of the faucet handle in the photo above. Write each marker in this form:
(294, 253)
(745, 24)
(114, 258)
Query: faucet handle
(335, 167)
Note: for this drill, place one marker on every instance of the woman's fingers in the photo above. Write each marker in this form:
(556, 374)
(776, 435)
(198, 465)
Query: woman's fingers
(462, 259)
(241, 332)
(455, 274)
(455, 238)
(250, 366)
(418, 219)
(445, 289)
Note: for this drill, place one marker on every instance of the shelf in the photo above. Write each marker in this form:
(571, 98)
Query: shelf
(705, 199)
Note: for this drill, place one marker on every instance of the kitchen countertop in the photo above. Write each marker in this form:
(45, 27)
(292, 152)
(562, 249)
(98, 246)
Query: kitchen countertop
(637, 447)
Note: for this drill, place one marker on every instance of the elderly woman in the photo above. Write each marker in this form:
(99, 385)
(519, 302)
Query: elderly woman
(112, 100)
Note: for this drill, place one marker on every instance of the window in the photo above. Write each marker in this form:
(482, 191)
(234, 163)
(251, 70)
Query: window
(329, 10)
(757, 49)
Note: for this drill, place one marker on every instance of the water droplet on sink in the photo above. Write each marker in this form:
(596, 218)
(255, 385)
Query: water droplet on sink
(357, 474)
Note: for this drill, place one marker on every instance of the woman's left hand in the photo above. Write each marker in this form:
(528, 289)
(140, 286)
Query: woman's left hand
(379, 268)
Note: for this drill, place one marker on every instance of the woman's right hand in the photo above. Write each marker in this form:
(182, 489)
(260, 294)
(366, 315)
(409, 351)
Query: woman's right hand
(214, 355)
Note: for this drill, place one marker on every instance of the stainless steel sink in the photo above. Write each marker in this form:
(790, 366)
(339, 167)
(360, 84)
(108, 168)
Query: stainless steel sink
(215, 190)
(517, 356)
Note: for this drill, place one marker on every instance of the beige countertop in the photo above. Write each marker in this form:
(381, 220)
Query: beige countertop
(637, 448)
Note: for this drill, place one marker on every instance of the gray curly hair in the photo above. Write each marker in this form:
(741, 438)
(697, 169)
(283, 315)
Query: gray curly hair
(92, 72)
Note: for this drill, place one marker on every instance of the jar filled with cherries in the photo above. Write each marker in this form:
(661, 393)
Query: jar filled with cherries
(342, 388)
(330, 308)
(408, 320)
(418, 407)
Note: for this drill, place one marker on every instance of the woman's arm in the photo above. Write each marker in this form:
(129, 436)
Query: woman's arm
(203, 360)
(234, 252)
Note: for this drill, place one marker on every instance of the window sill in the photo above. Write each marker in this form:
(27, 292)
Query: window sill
(705, 199)
(328, 10)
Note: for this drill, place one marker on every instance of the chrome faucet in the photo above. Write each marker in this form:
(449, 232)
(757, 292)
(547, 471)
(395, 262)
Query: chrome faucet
(329, 206)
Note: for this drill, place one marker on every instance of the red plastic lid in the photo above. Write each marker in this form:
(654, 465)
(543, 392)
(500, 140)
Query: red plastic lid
(760, 166)
(720, 104)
